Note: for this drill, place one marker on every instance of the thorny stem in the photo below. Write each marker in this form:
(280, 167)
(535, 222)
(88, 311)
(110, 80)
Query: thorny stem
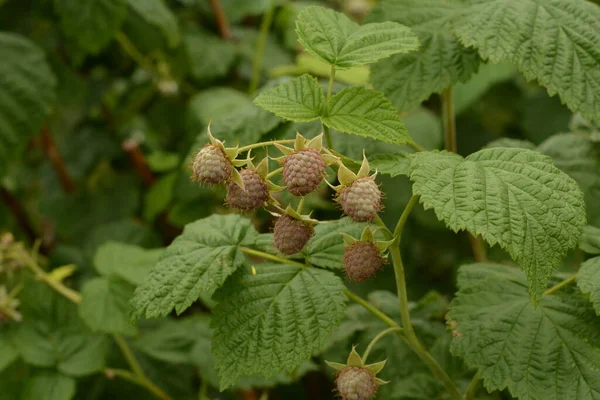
(128, 376)
(222, 21)
(386, 231)
(274, 172)
(377, 339)
(560, 285)
(271, 257)
(138, 375)
(265, 144)
(326, 130)
(473, 387)
(300, 205)
(372, 309)
(260, 47)
(409, 332)
(449, 118)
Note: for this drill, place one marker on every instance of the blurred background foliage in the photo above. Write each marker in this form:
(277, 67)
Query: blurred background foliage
(119, 94)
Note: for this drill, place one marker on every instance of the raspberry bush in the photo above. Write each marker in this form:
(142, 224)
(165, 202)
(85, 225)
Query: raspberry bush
(226, 199)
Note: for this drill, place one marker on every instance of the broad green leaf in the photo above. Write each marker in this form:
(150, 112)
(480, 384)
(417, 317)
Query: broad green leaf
(588, 280)
(512, 143)
(273, 321)
(366, 113)
(393, 164)
(326, 248)
(105, 305)
(48, 385)
(156, 13)
(335, 39)
(8, 352)
(579, 157)
(553, 41)
(544, 353)
(91, 23)
(159, 196)
(440, 61)
(27, 95)
(209, 56)
(171, 340)
(128, 262)
(52, 335)
(590, 240)
(512, 197)
(198, 261)
(301, 99)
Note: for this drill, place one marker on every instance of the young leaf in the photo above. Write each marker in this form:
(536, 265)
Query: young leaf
(274, 320)
(550, 352)
(156, 13)
(554, 42)
(105, 305)
(366, 113)
(512, 197)
(128, 262)
(52, 335)
(335, 39)
(91, 23)
(408, 79)
(27, 95)
(301, 99)
(48, 385)
(588, 280)
(198, 261)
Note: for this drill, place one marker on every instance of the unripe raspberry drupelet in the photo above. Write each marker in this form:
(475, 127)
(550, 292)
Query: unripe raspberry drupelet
(303, 171)
(291, 235)
(254, 196)
(356, 383)
(361, 200)
(362, 260)
(211, 165)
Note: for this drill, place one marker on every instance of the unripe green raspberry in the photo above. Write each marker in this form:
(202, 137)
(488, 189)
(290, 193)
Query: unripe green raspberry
(361, 200)
(356, 383)
(255, 195)
(303, 170)
(362, 260)
(211, 165)
(291, 235)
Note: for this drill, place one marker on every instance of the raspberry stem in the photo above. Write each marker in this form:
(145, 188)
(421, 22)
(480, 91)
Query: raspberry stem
(274, 172)
(328, 100)
(271, 257)
(376, 339)
(265, 144)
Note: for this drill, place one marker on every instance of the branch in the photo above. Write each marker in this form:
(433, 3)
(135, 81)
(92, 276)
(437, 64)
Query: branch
(222, 21)
(57, 161)
(139, 161)
(17, 211)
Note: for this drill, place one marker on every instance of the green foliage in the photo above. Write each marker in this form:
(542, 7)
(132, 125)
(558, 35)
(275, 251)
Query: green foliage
(408, 79)
(197, 262)
(48, 385)
(274, 320)
(588, 281)
(335, 39)
(512, 197)
(27, 95)
(590, 240)
(105, 305)
(156, 13)
(548, 352)
(566, 65)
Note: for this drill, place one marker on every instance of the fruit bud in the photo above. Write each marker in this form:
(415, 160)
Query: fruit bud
(290, 234)
(253, 195)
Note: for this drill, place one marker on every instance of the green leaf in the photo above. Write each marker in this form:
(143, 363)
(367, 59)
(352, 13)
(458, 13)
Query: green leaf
(551, 41)
(156, 13)
(334, 38)
(91, 23)
(172, 340)
(408, 79)
(159, 196)
(393, 164)
(8, 352)
(326, 248)
(128, 262)
(366, 113)
(209, 56)
(512, 197)
(588, 281)
(590, 240)
(27, 95)
(273, 321)
(48, 385)
(301, 99)
(550, 352)
(105, 306)
(198, 261)
(52, 335)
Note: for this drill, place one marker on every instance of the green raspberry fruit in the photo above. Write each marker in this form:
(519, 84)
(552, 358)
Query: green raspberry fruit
(211, 165)
(362, 260)
(303, 171)
(291, 235)
(356, 383)
(361, 200)
(255, 195)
